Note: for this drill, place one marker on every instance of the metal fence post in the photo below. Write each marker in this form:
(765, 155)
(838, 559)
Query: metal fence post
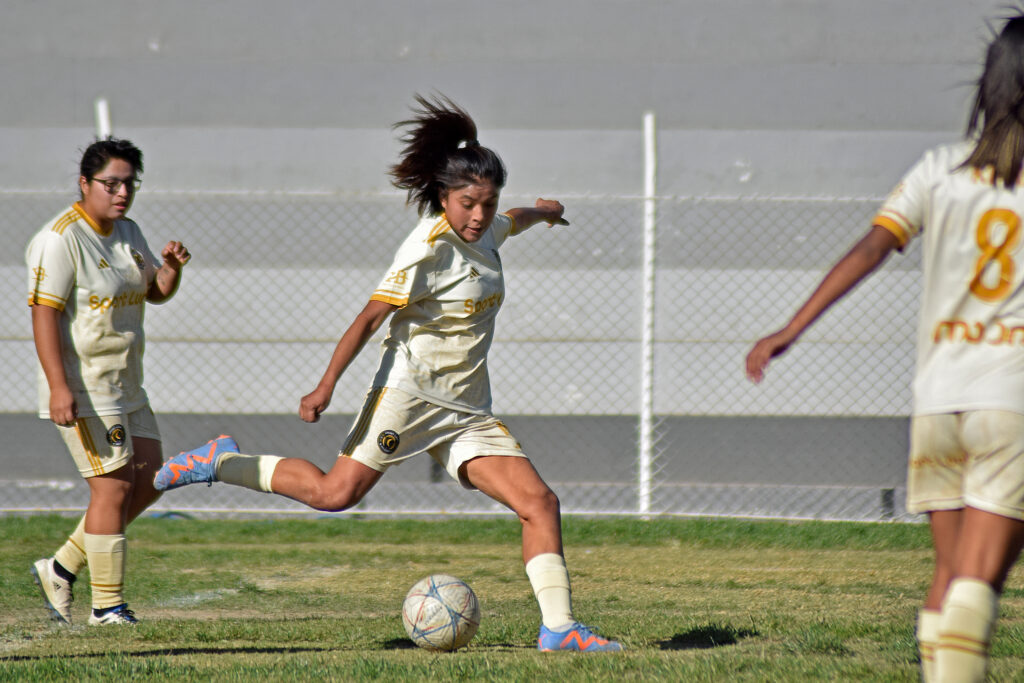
(647, 332)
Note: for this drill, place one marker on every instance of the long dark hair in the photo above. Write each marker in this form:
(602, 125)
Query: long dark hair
(997, 119)
(442, 153)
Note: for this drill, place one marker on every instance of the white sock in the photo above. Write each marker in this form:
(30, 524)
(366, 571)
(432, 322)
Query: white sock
(106, 553)
(927, 641)
(251, 471)
(968, 614)
(550, 581)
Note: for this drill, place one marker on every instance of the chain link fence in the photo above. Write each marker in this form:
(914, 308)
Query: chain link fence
(276, 278)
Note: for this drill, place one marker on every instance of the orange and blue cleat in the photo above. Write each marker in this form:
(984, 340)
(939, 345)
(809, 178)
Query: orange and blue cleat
(194, 466)
(576, 637)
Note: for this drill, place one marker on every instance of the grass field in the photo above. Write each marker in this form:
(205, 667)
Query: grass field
(700, 600)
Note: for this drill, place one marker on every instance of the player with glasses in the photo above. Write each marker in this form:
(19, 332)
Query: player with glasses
(90, 274)
(113, 185)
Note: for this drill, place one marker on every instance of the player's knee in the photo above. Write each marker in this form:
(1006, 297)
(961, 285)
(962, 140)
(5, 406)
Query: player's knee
(540, 504)
(333, 499)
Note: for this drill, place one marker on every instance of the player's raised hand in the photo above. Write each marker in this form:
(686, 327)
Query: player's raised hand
(175, 255)
(551, 211)
(314, 403)
(764, 350)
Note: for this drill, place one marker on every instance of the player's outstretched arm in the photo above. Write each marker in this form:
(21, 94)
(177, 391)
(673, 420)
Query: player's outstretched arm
(165, 284)
(362, 328)
(544, 211)
(858, 263)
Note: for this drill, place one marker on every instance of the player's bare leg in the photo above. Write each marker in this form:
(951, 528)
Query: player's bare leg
(339, 489)
(514, 482)
(146, 460)
(945, 529)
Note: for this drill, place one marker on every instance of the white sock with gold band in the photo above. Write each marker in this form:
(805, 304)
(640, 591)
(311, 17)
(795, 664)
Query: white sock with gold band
(968, 614)
(927, 640)
(71, 555)
(106, 555)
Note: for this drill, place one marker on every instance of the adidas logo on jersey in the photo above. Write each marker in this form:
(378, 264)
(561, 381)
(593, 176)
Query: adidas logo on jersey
(473, 273)
(103, 263)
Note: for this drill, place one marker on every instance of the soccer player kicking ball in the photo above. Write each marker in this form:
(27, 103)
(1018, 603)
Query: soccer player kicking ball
(431, 392)
(966, 467)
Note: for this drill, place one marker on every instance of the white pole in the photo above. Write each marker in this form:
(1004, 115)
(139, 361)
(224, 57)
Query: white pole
(647, 334)
(103, 128)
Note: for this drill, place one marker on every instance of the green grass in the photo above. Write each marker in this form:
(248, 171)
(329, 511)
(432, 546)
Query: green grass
(700, 600)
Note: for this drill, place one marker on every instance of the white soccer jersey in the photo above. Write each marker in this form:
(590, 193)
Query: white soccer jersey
(971, 328)
(449, 292)
(100, 282)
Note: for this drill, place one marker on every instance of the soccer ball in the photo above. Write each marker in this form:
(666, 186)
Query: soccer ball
(441, 613)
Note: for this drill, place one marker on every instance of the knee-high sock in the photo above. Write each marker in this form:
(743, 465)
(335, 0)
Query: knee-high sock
(968, 614)
(106, 555)
(927, 640)
(550, 581)
(71, 555)
(251, 471)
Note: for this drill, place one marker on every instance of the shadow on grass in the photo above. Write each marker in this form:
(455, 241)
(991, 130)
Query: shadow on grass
(406, 644)
(706, 637)
(171, 651)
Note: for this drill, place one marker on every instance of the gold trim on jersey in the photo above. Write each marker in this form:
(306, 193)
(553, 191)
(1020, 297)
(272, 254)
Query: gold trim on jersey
(357, 434)
(514, 230)
(893, 226)
(92, 224)
(385, 297)
(61, 224)
(440, 228)
(37, 299)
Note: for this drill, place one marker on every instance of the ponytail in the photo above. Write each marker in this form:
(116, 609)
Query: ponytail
(442, 153)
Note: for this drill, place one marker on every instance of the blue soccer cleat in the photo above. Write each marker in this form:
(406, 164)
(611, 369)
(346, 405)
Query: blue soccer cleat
(575, 638)
(194, 466)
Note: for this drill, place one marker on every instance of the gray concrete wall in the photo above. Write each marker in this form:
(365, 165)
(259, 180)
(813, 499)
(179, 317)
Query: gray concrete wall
(752, 96)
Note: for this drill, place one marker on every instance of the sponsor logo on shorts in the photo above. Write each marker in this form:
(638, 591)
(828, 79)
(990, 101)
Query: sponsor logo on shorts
(387, 441)
(115, 435)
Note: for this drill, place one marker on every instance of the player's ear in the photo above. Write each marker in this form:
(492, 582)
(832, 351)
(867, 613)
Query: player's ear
(442, 196)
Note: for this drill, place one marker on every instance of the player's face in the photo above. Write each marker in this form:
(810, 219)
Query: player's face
(471, 209)
(108, 195)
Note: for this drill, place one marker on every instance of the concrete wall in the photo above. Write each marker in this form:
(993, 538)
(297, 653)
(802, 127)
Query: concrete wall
(755, 96)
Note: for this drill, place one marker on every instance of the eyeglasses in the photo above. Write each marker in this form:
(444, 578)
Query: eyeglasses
(112, 185)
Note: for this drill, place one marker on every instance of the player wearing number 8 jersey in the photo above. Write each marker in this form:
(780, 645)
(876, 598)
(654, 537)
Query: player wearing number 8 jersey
(966, 465)
(970, 346)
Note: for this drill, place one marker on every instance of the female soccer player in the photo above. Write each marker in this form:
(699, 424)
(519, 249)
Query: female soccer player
(90, 276)
(966, 465)
(431, 392)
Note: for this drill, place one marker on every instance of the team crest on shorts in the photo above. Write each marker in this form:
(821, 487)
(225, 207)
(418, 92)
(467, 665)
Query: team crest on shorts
(387, 441)
(115, 435)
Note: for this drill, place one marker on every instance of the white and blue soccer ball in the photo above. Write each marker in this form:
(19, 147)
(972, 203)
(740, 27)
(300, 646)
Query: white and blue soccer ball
(441, 613)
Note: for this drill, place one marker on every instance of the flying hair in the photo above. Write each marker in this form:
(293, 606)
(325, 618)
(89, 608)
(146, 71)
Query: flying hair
(441, 154)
